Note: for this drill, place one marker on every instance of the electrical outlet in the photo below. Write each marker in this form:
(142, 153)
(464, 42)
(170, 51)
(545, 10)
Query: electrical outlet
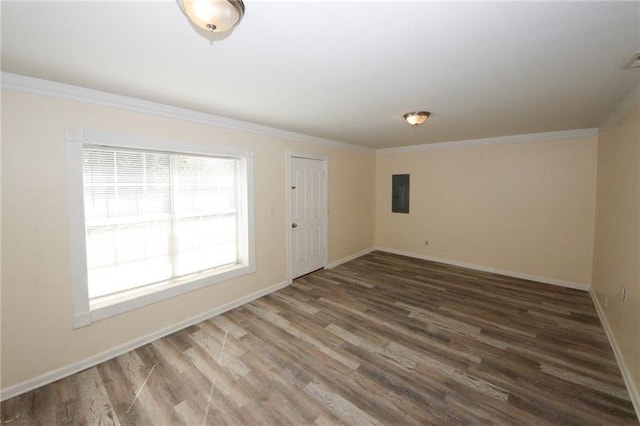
(623, 293)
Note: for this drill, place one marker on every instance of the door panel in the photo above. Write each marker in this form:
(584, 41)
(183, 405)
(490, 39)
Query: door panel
(308, 215)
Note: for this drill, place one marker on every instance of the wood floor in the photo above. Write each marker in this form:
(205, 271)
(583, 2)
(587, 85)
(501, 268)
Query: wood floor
(383, 339)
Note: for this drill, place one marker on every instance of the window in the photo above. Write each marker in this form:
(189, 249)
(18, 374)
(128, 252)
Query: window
(153, 221)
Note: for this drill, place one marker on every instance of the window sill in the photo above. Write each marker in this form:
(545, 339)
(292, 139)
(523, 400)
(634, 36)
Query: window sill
(107, 306)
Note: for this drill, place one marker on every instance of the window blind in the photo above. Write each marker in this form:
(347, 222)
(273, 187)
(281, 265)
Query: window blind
(152, 216)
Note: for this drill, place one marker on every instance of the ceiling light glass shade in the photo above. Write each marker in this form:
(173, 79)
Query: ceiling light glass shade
(213, 15)
(416, 118)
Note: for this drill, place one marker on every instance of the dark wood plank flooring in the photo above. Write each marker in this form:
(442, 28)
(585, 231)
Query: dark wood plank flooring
(383, 339)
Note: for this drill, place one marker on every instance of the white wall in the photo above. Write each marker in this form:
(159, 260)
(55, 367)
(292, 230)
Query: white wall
(525, 208)
(617, 239)
(37, 335)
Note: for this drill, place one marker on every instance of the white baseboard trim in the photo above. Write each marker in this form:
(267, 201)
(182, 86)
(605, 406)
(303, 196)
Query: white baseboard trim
(626, 375)
(546, 280)
(52, 376)
(349, 258)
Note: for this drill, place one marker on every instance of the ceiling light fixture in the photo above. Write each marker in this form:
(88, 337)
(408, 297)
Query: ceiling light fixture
(215, 16)
(416, 118)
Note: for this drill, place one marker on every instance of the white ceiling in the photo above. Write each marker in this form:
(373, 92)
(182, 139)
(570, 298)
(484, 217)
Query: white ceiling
(347, 71)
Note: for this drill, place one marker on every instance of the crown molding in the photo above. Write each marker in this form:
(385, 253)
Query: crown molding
(629, 102)
(36, 86)
(565, 134)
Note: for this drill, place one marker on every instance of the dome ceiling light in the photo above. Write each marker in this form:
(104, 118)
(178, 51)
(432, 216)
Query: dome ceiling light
(416, 118)
(214, 16)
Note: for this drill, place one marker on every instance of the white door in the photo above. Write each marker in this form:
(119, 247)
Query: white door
(308, 215)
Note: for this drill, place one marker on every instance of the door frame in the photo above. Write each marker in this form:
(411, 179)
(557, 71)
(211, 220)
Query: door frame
(289, 156)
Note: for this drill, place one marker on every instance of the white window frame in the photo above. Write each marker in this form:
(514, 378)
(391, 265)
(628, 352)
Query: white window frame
(86, 311)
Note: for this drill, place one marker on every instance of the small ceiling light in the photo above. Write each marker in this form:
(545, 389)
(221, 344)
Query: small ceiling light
(214, 16)
(416, 118)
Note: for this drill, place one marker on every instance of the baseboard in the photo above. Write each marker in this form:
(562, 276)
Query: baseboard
(349, 258)
(52, 376)
(546, 280)
(626, 375)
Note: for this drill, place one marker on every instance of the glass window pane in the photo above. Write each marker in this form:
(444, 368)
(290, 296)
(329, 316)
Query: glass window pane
(151, 216)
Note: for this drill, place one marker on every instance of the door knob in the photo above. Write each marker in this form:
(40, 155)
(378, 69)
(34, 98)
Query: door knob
(294, 225)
